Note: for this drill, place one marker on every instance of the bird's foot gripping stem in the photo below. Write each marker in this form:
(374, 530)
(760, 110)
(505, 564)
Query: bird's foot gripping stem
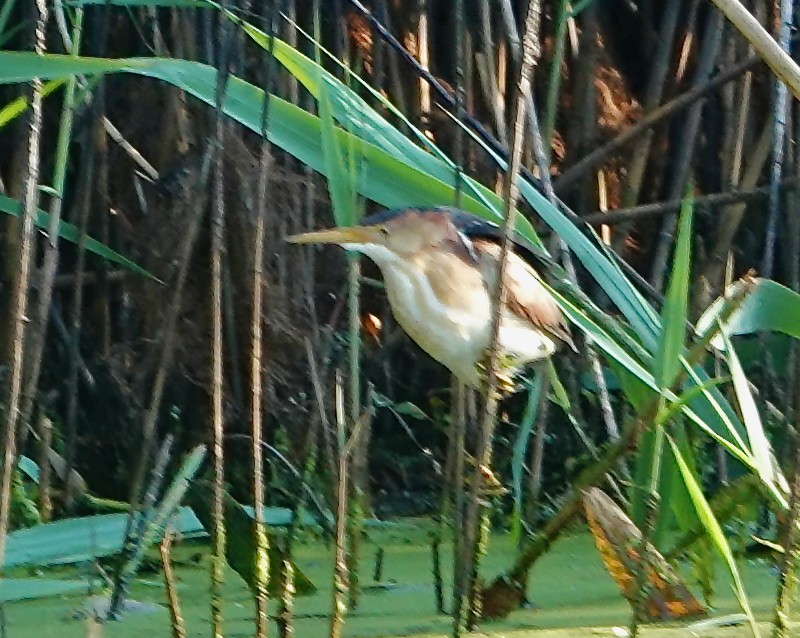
(505, 374)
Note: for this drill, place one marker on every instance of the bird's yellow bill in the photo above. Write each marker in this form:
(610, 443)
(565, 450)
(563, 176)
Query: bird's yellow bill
(344, 235)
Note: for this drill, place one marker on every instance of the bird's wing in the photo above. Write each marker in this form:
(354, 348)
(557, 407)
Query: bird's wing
(526, 296)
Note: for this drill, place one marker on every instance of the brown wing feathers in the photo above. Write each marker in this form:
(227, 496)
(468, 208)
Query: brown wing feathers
(526, 296)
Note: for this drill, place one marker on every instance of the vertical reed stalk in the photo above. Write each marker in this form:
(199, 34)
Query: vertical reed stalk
(423, 54)
(217, 359)
(682, 165)
(453, 481)
(443, 518)
(217, 416)
(261, 558)
(354, 523)
(788, 574)
(537, 451)
(88, 157)
(340, 576)
(19, 305)
(554, 83)
(654, 92)
(38, 327)
(477, 527)
(457, 444)
(642, 587)
(780, 115)
(488, 75)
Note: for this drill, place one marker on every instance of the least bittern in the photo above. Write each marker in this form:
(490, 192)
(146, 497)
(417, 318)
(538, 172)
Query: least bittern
(439, 268)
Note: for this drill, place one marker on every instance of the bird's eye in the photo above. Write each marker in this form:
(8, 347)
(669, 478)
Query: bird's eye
(383, 231)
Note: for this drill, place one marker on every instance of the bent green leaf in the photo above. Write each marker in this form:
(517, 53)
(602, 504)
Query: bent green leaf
(71, 234)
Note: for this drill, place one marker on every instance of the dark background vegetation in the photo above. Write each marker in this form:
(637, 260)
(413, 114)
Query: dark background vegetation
(606, 89)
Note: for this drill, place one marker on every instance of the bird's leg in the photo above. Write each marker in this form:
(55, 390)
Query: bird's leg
(505, 384)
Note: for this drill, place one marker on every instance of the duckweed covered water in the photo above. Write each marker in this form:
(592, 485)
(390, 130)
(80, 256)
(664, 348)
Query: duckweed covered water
(572, 595)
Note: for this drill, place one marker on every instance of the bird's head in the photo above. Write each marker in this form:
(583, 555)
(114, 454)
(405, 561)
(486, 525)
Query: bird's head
(389, 236)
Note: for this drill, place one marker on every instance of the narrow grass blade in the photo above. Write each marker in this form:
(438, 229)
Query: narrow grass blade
(518, 452)
(759, 444)
(340, 165)
(666, 362)
(17, 107)
(714, 531)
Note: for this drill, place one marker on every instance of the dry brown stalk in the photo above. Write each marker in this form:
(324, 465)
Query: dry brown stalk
(19, 304)
(176, 619)
(475, 531)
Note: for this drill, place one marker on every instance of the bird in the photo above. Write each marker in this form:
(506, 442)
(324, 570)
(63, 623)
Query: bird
(439, 267)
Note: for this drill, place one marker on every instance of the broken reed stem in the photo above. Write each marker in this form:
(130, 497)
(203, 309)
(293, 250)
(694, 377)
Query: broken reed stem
(642, 587)
(285, 613)
(134, 548)
(346, 442)
(167, 341)
(377, 572)
(45, 437)
(358, 497)
(175, 617)
(156, 481)
(503, 587)
(477, 525)
(19, 305)
(436, 567)
(703, 204)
